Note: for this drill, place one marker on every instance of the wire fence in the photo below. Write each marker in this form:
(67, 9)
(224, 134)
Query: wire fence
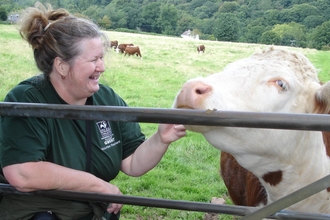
(275, 210)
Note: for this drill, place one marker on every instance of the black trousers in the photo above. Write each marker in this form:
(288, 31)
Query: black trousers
(51, 216)
(44, 216)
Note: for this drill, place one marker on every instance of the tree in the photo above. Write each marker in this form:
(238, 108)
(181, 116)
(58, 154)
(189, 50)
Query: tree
(133, 17)
(258, 22)
(244, 12)
(304, 10)
(186, 22)
(271, 16)
(117, 17)
(288, 15)
(321, 36)
(280, 29)
(104, 22)
(92, 12)
(168, 19)
(291, 30)
(253, 5)
(286, 3)
(254, 33)
(313, 21)
(206, 26)
(3, 14)
(195, 4)
(150, 16)
(265, 5)
(298, 13)
(300, 1)
(288, 40)
(122, 23)
(226, 27)
(229, 7)
(211, 8)
(201, 12)
(323, 6)
(270, 37)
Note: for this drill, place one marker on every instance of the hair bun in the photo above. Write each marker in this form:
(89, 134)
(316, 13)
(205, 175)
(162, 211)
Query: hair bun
(36, 20)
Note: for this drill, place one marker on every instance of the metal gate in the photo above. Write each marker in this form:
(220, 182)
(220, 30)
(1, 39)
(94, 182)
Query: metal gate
(275, 210)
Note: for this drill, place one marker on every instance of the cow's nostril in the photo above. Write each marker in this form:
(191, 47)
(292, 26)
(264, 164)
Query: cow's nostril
(202, 89)
(199, 92)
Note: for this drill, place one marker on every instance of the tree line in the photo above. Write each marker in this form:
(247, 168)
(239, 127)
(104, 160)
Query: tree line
(300, 23)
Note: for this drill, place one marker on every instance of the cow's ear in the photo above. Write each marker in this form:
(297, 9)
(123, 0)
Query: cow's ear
(322, 97)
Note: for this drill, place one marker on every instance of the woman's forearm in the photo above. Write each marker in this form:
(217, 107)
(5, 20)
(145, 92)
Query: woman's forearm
(42, 175)
(146, 157)
(149, 153)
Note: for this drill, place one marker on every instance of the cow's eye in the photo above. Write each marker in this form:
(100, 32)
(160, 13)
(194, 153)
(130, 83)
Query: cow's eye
(282, 84)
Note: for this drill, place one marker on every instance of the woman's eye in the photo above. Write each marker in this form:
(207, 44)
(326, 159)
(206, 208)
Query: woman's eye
(282, 84)
(96, 59)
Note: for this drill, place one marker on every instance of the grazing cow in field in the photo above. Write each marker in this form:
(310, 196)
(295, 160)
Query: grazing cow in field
(131, 50)
(260, 166)
(201, 48)
(121, 47)
(113, 44)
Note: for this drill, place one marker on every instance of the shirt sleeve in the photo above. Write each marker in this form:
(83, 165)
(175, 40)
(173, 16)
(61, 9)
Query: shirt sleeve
(22, 139)
(132, 137)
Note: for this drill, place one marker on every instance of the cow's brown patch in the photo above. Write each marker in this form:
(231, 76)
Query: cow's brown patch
(273, 178)
(244, 187)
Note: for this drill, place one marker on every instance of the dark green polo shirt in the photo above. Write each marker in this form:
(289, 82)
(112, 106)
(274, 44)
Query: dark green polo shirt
(63, 141)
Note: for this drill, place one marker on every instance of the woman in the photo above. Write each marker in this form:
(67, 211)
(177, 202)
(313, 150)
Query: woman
(50, 154)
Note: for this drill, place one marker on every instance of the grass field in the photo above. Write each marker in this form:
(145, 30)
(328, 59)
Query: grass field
(190, 168)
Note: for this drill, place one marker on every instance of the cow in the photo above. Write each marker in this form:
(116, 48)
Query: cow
(201, 48)
(121, 47)
(260, 166)
(113, 44)
(131, 50)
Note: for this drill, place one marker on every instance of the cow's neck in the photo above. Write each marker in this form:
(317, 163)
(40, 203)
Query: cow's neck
(283, 168)
(286, 175)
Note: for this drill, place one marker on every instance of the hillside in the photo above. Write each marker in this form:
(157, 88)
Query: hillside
(300, 23)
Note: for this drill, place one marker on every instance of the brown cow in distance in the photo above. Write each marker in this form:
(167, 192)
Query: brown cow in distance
(131, 50)
(113, 44)
(201, 48)
(121, 47)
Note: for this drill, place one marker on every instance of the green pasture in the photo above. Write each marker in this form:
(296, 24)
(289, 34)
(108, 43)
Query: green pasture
(190, 169)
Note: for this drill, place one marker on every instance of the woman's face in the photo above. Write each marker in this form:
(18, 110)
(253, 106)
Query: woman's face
(84, 74)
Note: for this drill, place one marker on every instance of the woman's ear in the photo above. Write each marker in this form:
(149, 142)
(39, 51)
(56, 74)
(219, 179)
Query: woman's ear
(61, 66)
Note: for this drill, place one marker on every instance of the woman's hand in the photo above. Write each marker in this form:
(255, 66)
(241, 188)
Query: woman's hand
(114, 207)
(171, 132)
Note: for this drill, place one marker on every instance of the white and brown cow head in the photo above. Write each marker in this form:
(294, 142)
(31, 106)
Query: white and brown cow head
(274, 80)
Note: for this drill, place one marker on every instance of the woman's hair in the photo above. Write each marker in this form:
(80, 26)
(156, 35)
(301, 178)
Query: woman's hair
(56, 33)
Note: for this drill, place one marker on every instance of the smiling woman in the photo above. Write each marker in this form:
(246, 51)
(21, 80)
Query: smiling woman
(74, 155)
(83, 77)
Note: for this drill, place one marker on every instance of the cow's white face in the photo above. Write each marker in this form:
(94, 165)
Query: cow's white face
(271, 81)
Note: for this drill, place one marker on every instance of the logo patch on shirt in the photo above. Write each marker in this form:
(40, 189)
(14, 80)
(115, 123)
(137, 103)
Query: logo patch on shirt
(106, 132)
